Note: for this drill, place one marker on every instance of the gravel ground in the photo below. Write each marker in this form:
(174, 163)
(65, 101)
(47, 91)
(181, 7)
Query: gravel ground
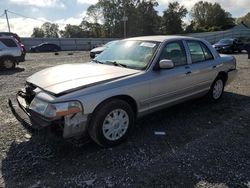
(206, 145)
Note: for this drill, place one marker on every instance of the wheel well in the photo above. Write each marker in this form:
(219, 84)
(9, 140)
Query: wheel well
(224, 76)
(125, 98)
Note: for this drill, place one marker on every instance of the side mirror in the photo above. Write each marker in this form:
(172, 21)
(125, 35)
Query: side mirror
(166, 64)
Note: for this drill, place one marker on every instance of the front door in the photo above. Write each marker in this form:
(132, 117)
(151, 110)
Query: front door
(170, 85)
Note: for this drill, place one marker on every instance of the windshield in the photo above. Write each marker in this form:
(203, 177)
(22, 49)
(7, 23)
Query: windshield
(110, 43)
(226, 41)
(130, 54)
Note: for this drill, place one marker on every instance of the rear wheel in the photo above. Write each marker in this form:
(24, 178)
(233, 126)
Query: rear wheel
(217, 89)
(111, 123)
(8, 63)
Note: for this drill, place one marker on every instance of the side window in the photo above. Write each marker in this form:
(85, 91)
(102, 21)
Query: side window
(196, 51)
(43, 46)
(52, 46)
(49, 47)
(8, 42)
(1, 45)
(174, 51)
(207, 52)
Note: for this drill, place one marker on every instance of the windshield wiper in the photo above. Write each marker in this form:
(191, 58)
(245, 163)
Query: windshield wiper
(116, 64)
(96, 61)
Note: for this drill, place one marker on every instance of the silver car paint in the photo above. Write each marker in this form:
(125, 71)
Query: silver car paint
(66, 77)
(150, 89)
(10, 51)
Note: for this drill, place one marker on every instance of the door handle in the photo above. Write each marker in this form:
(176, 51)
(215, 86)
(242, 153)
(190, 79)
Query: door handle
(189, 72)
(214, 66)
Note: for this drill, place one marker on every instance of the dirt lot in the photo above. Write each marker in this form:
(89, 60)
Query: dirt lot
(206, 145)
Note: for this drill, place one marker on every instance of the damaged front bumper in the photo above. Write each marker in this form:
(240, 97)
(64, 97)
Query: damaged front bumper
(66, 127)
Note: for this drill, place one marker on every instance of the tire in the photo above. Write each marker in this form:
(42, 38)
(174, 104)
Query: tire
(8, 63)
(111, 123)
(22, 58)
(217, 89)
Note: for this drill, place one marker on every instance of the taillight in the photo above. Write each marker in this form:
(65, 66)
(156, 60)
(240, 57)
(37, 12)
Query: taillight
(21, 45)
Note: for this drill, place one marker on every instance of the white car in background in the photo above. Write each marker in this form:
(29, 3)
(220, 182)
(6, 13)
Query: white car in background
(95, 51)
(10, 51)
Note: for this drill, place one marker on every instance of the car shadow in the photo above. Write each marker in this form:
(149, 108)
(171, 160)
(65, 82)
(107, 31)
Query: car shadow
(202, 143)
(12, 71)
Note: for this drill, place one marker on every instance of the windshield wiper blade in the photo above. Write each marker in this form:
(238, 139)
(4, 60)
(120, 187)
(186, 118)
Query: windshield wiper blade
(116, 64)
(96, 61)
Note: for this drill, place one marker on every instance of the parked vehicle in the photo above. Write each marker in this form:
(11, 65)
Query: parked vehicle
(45, 47)
(100, 49)
(10, 51)
(247, 48)
(229, 45)
(9, 34)
(133, 77)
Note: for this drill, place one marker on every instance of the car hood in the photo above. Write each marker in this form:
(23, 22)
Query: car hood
(65, 78)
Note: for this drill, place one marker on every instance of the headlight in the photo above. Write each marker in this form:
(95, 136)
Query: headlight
(55, 110)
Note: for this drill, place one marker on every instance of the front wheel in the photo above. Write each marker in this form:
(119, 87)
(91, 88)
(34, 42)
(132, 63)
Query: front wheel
(217, 89)
(111, 123)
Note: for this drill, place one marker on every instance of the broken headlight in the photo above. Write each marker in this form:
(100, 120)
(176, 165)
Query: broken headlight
(55, 110)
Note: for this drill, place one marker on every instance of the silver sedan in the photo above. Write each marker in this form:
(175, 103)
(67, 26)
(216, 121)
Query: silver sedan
(133, 77)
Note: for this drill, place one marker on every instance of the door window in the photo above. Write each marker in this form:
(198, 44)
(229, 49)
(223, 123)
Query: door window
(207, 52)
(174, 51)
(8, 42)
(196, 51)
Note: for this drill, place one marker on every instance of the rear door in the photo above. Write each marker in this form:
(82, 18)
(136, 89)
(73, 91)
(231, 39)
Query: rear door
(203, 66)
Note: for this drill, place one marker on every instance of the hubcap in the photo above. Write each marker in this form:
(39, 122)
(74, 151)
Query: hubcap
(115, 124)
(8, 64)
(218, 89)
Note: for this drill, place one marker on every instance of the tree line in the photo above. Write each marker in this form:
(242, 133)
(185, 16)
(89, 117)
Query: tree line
(105, 19)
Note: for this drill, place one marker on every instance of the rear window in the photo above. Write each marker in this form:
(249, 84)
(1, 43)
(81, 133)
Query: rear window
(196, 51)
(199, 52)
(8, 42)
(207, 52)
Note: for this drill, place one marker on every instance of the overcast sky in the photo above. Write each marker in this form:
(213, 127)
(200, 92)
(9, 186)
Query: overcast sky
(72, 11)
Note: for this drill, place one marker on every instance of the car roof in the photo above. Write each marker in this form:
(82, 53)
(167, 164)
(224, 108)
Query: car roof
(8, 37)
(160, 38)
(47, 43)
(7, 33)
(228, 39)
